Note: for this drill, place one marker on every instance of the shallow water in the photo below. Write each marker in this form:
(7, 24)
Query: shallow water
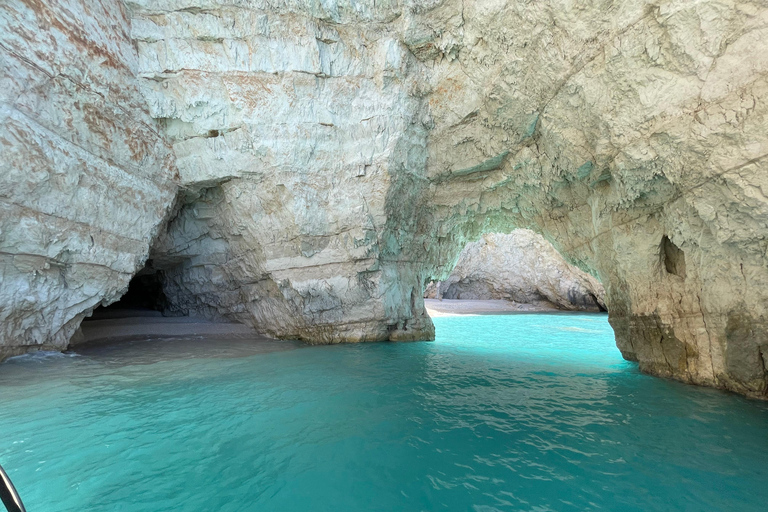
(513, 412)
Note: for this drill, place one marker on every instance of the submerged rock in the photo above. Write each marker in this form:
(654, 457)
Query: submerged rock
(522, 267)
(334, 157)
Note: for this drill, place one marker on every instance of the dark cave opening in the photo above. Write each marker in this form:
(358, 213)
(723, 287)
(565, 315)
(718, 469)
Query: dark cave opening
(673, 257)
(145, 297)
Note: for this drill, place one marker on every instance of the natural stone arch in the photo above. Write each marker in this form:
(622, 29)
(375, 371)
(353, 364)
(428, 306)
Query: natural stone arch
(628, 184)
(520, 267)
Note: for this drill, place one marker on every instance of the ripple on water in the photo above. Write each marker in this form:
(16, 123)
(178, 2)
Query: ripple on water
(519, 412)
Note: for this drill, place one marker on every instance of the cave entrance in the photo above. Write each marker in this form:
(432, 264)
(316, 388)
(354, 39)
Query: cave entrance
(519, 271)
(516, 294)
(145, 297)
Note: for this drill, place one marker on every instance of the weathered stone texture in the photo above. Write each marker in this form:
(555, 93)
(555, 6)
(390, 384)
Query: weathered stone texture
(522, 267)
(85, 177)
(290, 125)
(622, 128)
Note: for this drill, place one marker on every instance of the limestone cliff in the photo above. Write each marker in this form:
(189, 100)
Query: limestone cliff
(85, 178)
(632, 135)
(290, 124)
(335, 156)
(522, 267)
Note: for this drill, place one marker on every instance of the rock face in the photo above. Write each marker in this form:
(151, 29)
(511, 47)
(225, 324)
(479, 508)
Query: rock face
(522, 267)
(293, 126)
(635, 143)
(335, 156)
(85, 178)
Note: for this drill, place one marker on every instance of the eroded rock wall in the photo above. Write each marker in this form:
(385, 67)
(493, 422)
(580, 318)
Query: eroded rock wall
(358, 146)
(85, 177)
(291, 123)
(522, 267)
(632, 135)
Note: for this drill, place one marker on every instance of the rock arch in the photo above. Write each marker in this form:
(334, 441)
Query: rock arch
(635, 150)
(521, 267)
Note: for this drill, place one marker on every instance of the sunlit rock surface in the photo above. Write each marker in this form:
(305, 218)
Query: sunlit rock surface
(85, 177)
(336, 156)
(522, 267)
(292, 126)
(632, 134)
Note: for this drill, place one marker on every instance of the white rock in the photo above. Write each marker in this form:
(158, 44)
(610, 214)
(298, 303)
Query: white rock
(85, 177)
(521, 267)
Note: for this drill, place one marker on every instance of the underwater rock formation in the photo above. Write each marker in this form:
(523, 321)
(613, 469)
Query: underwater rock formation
(335, 156)
(522, 267)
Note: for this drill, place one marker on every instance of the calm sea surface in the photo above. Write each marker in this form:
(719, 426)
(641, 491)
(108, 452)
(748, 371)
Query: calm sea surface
(513, 412)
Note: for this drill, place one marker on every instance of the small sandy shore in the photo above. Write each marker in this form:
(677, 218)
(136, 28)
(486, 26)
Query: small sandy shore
(124, 323)
(115, 324)
(446, 307)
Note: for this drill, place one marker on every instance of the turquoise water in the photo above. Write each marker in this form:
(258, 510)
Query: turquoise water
(514, 412)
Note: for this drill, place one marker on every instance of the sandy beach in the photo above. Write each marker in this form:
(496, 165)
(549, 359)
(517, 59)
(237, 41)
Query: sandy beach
(130, 323)
(447, 307)
(121, 323)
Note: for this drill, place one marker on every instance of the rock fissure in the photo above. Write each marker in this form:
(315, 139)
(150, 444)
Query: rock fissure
(113, 167)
